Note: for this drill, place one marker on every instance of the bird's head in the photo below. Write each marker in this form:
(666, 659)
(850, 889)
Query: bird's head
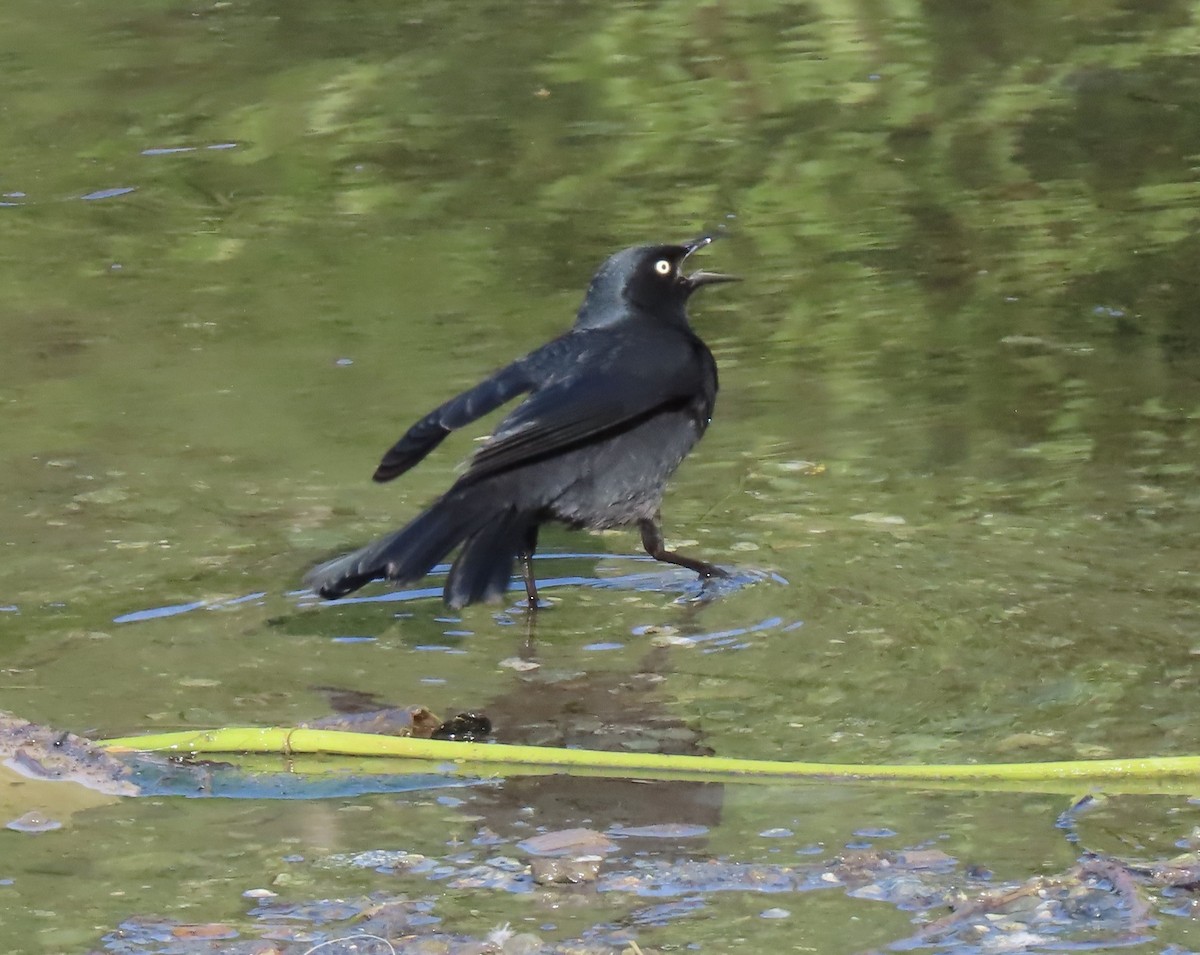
(650, 278)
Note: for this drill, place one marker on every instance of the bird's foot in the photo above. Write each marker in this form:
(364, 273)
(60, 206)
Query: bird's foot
(531, 606)
(724, 583)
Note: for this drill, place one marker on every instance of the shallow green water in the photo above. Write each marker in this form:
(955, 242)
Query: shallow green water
(243, 246)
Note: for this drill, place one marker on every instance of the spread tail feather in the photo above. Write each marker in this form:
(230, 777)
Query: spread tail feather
(404, 555)
(484, 567)
(491, 543)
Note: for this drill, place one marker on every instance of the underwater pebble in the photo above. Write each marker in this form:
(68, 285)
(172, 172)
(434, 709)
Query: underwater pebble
(568, 841)
(651, 629)
(506, 864)
(576, 870)
(804, 467)
(108, 495)
(873, 833)
(207, 930)
(662, 831)
(516, 663)
(924, 859)
(490, 877)
(672, 640)
(774, 914)
(524, 944)
(1016, 741)
(486, 837)
(872, 517)
(377, 859)
(33, 821)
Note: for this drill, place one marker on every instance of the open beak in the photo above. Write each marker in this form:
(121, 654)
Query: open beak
(703, 276)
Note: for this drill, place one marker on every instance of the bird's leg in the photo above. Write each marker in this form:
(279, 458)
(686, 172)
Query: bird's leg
(652, 540)
(526, 555)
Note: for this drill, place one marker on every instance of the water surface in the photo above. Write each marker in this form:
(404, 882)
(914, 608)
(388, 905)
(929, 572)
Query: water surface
(957, 442)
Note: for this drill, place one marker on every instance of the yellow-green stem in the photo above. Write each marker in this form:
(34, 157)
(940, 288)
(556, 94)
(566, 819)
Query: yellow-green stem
(456, 754)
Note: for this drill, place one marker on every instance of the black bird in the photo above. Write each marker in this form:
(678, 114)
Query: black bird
(614, 406)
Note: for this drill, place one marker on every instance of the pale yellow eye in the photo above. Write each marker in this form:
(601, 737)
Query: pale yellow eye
(662, 267)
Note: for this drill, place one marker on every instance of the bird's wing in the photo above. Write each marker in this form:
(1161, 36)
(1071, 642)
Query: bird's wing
(572, 410)
(431, 430)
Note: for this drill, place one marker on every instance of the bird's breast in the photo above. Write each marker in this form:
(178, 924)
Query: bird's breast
(622, 479)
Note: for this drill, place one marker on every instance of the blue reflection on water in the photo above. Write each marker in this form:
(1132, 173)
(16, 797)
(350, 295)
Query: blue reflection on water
(666, 581)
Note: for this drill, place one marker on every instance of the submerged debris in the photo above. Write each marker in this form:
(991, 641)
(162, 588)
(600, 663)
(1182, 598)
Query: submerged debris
(390, 721)
(40, 752)
(464, 728)
(1099, 902)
